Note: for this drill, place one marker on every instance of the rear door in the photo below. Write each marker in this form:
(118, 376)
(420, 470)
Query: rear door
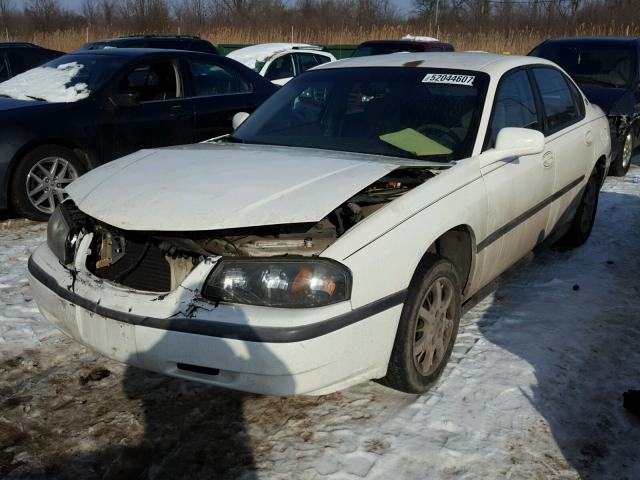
(218, 89)
(163, 116)
(570, 143)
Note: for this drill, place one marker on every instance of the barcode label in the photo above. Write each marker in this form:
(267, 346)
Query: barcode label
(466, 80)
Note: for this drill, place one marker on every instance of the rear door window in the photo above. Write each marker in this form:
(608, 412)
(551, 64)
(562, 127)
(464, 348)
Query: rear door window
(280, 68)
(211, 78)
(306, 61)
(560, 107)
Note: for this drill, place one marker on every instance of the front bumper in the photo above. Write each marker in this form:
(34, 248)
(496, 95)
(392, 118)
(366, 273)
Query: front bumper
(257, 349)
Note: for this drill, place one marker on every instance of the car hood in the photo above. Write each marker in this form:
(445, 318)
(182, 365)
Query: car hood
(222, 185)
(604, 97)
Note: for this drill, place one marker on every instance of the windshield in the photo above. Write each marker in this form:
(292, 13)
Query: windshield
(422, 113)
(66, 79)
(607, 66)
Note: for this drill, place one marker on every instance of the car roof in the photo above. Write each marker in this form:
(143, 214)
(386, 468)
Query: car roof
(186, 38)
(408, 41)
(18, 45)
(595, 39)
(490, 63)
(134, 52)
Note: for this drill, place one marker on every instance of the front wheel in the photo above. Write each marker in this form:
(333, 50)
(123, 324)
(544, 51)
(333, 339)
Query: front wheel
(39, 181)
(428, 327)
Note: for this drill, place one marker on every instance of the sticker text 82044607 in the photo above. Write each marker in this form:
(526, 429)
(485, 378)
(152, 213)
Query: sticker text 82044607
(449, 78)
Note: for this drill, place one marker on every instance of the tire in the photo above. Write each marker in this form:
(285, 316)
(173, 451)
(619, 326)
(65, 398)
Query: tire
(582, 221)
(414, 369)
(620, 167)
(34, 192)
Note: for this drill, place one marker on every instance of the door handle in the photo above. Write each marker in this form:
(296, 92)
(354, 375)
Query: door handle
(177, 111)
(588, 137)
(547, 159)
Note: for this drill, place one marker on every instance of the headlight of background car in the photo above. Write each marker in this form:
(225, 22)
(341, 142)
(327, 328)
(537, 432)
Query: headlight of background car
(278, 282)
(63, 232)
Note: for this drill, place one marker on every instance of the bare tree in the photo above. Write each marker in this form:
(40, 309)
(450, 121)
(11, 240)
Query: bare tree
(6, 15)
(45, 15)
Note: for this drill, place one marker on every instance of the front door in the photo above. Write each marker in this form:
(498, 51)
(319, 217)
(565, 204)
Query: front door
(161, 118)
(518, 189)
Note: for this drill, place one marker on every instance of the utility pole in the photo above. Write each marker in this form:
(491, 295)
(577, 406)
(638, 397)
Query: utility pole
(437, 25)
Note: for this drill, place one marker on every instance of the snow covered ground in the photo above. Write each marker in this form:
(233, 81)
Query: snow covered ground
(533, 390)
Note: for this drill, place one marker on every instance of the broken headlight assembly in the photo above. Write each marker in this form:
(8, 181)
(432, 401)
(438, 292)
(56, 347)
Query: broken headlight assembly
(281, 282)
(63, 231)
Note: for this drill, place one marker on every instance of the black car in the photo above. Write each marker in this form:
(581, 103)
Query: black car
(173, 42)
(18, 57)
(606, 69)
(86, 108)
(384, 47)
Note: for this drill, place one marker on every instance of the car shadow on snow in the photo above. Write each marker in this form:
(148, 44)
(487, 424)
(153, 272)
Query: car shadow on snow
(191, 430)
(572, 315)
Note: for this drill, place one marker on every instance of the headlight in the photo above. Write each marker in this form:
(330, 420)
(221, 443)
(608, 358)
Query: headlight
(63, 232)
(279, 282)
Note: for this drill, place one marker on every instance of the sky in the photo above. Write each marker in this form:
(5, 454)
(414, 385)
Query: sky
(404, 6)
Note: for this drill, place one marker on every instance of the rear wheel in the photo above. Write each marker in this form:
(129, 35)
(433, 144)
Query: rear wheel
(428, 327)
(621, 166)
(39, 181)
(582, 222)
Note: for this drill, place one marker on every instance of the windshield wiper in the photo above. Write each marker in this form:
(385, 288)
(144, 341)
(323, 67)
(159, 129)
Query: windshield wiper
(36, 98)
(232, 139)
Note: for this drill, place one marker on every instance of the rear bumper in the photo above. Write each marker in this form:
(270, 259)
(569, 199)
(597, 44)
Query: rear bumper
(261, 350)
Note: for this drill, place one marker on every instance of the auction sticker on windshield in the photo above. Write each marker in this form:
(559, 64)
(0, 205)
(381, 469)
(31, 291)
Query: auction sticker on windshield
(449, 78)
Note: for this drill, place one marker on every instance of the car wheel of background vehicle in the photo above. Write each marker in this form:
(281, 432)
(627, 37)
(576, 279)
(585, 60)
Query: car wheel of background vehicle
(621, 166)
(428, 327)
(585, 215)
(39, 180)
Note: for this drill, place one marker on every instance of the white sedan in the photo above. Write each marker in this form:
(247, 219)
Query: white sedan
(336, 235)
(280, 62)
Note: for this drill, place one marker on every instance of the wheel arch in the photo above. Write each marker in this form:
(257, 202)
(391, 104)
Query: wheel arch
(601, 169)
(458, 245)
(81, 152)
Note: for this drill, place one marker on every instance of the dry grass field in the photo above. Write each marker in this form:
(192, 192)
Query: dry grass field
(518, 41)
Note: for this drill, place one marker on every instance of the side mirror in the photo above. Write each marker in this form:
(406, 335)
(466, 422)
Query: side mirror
(125, 100)
(517, 142)
(238, 119)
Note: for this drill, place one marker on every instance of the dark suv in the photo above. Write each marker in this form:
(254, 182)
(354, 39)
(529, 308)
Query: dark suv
(18, 57)
(383, 47)
(170, 42)
(606, 69)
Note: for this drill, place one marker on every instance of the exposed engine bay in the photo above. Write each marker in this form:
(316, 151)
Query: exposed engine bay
(159, 261)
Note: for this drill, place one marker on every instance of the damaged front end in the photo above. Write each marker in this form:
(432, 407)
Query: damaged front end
(275, 265)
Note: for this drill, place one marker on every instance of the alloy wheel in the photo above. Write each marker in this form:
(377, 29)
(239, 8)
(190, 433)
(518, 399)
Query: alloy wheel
(46, 182)
(433, 326)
